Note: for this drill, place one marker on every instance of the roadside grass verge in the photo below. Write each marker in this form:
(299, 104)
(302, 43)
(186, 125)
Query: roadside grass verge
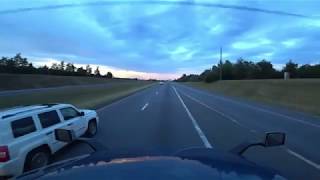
(30, 81)
(84, 97)
(298, 94)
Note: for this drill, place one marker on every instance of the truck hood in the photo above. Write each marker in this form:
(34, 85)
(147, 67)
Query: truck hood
(187, 165)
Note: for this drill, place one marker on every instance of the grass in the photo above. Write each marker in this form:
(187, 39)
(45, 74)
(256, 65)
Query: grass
(27, 81)
(86, 97)
(298, 94)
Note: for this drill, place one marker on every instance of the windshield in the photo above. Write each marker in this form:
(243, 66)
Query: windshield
(155, 77)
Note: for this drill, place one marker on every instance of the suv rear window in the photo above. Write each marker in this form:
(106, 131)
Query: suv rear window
(48, 119)
(23, 127)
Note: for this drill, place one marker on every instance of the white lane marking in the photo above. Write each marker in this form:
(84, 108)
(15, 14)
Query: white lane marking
(157, 93)
(145, 106)
(136, 93)
(261, 109)
(194, 122)
(219, 112)
(288, 117)
(313, 164)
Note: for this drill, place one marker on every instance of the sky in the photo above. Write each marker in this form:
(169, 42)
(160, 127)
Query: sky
(160, 39)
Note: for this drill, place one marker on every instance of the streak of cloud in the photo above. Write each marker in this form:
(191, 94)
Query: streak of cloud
(159, 38)
(180, 3)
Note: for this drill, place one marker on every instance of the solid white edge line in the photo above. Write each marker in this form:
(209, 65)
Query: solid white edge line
(194, 122)
(297, 155)
(145, 106)
(218, 112)
(259, 109)
(313, 164)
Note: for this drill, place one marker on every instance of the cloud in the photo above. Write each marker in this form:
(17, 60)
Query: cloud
(160, 38)
(182, 3)
(291, 42)
(251, 45)
(216, 29)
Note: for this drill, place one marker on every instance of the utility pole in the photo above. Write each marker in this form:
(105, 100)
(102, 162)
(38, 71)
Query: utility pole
(220, 63)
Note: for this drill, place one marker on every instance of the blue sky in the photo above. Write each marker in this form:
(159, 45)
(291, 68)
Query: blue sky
(160, 40)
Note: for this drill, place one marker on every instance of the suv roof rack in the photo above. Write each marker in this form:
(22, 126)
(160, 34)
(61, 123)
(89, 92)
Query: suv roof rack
(48, 104)
(13, 114)
(43, 104)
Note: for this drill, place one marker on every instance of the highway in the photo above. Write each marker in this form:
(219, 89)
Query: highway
(166, 118)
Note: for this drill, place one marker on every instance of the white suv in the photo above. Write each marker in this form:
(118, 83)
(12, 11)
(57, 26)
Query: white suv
(27, 138)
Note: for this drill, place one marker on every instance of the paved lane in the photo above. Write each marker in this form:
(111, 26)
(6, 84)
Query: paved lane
(166, 118)
(152, 120)
(228, 121)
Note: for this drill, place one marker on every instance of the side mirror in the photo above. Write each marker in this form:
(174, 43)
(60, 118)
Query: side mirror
(81, 113)
(68, 136)
(64, 135)
(271, 139)
(275, 139)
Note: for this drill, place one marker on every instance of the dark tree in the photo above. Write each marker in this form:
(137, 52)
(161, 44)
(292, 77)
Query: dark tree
(292, 68)
(81, 72)
(19, 61)
(212, 76)
(19, 64)
(11, 66)
(183, 78)
(70, 68)
(89, 70)
(227, 70)
(265, 70)
(61, 66)
(309, 71)
(109, 75)
(43, 69)
(54, 66)
(97, 72)
(205, 74)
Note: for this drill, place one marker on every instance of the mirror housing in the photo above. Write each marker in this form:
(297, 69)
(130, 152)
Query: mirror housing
(81, 113)
(271, 139)
(68, 136)
(274, 139)
(64, 135)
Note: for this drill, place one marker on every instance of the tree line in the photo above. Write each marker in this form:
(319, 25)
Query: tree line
(243, 69)
(21, 65)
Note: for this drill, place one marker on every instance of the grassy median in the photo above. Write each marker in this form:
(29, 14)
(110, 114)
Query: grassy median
(30, 81)
(298, 94)
(85, 97)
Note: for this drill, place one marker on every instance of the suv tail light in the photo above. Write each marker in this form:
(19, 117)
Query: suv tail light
(4, 154)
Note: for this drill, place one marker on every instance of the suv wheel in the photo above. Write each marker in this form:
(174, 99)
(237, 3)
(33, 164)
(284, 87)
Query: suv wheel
(92, 128)
(37, 159)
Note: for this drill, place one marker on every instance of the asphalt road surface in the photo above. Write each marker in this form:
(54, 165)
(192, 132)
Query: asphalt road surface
(166, 118)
